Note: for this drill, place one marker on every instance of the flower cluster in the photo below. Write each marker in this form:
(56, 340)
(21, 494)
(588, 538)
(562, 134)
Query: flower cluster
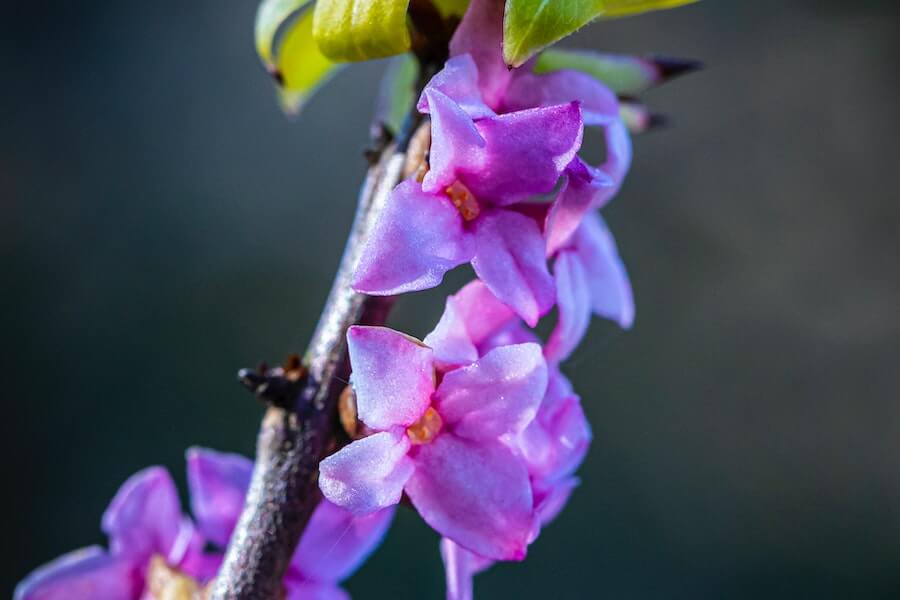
(476, 426)
(155, 551)
(501, 140)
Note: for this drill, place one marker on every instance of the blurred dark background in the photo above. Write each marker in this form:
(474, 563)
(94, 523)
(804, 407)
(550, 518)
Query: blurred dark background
(163, 225)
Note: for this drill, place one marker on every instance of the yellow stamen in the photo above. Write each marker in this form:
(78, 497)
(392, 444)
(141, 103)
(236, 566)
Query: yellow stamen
(167, 583)
(425, 429)
(464, 201)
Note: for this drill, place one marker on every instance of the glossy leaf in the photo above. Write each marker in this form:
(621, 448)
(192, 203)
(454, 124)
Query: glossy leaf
(354, 30)
(531, 25)
(397, 94)
(270, 16)
(300, 67)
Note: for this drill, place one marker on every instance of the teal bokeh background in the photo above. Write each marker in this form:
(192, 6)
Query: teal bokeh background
(163, 225)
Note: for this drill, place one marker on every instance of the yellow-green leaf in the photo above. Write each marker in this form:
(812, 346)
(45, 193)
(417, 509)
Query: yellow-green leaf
(622, 8)
(301, 68)
(270, 16)
(449, 8)
(353, 30)
(529, 26)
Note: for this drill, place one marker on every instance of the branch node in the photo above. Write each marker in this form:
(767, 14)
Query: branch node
(279, 386)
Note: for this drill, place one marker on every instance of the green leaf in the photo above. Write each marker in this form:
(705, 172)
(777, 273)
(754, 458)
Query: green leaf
(449, 8)
(398, 92)
(531, 25)
(299, 66)
(270, 16)
(608, 9)
(353, 30)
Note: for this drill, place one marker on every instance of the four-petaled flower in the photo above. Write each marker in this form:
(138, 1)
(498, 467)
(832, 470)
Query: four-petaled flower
(501, 139)
(146, 528)
(476, 425)
(551, 447)
(439, 418)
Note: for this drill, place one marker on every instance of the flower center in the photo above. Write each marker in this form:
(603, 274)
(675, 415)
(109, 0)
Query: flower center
(165, 583)
(425, 429)
(464, 201)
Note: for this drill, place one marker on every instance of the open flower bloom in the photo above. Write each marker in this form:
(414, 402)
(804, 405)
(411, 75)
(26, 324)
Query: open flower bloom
(463, 210)
(500, 139)
(590, 279)
(552, 446)
(146, 529)
(438, 418)
(143, 520)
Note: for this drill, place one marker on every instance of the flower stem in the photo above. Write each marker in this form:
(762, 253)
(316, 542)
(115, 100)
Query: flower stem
(296, 435)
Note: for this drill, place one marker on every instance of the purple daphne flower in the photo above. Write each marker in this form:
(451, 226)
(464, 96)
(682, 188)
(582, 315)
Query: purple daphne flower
(463, 211)
(590, 278)
(145, 521)
(439, 420)
(552, 446)
(500, 138)
(555, 441)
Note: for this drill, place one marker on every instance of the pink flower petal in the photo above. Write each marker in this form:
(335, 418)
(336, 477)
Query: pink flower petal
(335, 543)
(573, 300)
(393, 376)
(86, 574)
(514, 333)
(459, 80)
(456, 145)
(618, 152)
(551, 501)
(417, 239)
(525, 153)
(556, 441)
(308, 590)
(481, 34)
(450, 340)
(202, 566)
(368, 474)
(599, 105)
(497, 395)
(510, 260)
(584, 188)
(145, 516)
(475, 493)
(611, 295)
(218, 484)
(474, 322)
(481, 311)
(460, 566)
